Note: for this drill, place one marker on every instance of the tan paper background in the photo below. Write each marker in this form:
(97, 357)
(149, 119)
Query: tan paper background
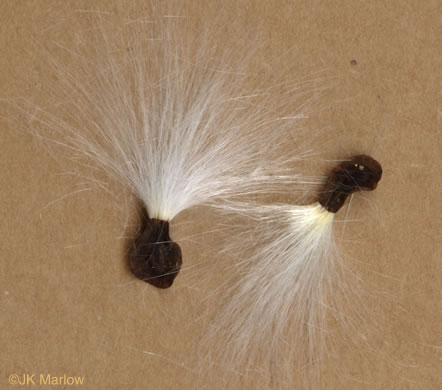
(69, 305)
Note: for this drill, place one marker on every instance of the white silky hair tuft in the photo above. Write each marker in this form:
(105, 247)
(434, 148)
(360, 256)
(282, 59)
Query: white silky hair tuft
(276, 302)
(176, 117)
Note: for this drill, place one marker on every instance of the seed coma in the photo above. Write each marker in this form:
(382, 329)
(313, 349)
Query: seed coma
(153, 256)
(359, 173)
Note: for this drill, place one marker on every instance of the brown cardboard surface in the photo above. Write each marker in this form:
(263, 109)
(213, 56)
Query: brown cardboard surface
(69, 305)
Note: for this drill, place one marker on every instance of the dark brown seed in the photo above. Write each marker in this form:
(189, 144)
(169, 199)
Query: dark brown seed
(356, 174)
(153, 256)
